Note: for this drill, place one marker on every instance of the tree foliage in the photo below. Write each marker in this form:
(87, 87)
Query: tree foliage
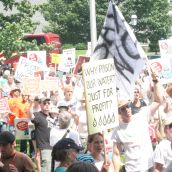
(14, 26)
(71, 18)
(153, 21)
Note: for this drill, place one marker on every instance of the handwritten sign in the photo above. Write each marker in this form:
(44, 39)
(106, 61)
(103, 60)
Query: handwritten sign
(26, 67)
(100, 92)
(31, 86)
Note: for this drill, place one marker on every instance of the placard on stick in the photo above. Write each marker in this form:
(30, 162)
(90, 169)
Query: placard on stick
(100, 92)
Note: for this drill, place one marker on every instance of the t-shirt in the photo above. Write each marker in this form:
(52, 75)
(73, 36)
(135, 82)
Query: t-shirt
(42, 130)
(56, 134)
(135, 140)
(60, 169)
(163, 154)
(136, 109)
(21, 161)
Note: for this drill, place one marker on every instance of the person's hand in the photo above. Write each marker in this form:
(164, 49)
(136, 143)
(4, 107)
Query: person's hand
(106, 165)
(12, 168)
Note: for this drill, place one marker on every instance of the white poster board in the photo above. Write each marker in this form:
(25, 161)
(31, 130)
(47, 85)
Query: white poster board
(26, 67)
(67, 60)
(37, 56)
(163, 67)
(100, 92)
(165, 47)
(23, 131)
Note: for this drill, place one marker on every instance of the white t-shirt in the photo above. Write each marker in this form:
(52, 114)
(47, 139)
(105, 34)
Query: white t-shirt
(163, 154)
(135, 140)
(56, 134)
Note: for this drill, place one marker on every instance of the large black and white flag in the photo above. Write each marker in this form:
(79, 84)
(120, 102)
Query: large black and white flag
(118, 41)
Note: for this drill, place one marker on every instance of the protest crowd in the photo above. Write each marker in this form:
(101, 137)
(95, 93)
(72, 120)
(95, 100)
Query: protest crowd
(57, 134)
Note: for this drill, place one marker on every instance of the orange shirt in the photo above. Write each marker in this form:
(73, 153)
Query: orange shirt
(23, 110)
(14, 104)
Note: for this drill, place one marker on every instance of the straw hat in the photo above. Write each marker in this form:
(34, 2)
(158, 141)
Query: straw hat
(122, 102)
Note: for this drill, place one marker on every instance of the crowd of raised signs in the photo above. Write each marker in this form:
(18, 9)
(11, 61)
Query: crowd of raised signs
(66, 123)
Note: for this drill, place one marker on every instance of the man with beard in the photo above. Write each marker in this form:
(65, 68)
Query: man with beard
(13, 160)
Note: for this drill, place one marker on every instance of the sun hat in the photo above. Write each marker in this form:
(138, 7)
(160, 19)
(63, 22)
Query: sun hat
(122, 102)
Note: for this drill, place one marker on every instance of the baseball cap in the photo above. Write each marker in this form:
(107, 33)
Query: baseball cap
(43, 99)
(6, 137)
(67, 143)
(63, 105)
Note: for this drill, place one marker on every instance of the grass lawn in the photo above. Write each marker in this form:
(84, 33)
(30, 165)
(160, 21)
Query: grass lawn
(80, 52)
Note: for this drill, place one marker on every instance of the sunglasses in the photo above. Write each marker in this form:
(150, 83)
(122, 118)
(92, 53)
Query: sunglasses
(123, 108)
(169, 126)
(45, 103)
(136, 92)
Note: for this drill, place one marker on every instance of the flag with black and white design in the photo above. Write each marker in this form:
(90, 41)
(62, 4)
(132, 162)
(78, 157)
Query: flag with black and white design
(118, 41)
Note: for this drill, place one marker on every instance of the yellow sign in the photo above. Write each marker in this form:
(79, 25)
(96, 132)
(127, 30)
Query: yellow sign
(55, 58)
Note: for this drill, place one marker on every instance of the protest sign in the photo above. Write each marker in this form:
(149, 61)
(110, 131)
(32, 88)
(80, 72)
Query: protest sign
(163, 68)
(55, 58)
(26, 67)
(165, 47)
(100, 92)
(4, 105)
(37, 56)
(80, 61)
(31, 86)
(23, 130)
(49, 84)
(67, 60)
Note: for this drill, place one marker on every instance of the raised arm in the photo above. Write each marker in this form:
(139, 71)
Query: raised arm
(116, 157)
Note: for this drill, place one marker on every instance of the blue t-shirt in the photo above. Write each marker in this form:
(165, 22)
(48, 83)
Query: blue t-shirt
(60, 169)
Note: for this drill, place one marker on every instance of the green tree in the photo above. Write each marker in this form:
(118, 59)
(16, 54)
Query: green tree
(71, 19)
(14, 26)
(153, 21)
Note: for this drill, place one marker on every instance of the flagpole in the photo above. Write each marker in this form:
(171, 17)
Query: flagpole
(93, 27)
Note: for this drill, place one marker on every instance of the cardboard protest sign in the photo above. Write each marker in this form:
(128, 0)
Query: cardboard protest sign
(163, 68)
(4, 105)
(23, 130)
(26, 67)
(37, 56)
(49, 84)
(55, 58)
(80, 61)
(31, 86)
(100, 92)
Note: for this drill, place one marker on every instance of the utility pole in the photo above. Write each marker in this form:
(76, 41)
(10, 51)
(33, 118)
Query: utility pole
(93, 27)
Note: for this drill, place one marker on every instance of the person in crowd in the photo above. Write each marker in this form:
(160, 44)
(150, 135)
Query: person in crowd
(42, 133)
(132, 135)
(14, 104)
(24, 106)
(65, 151)
(95, 148)
(82, 166)
(69, 98)
(11, 159)
(55, 97)
(137, 102)
(35, 107)
(86, 167)
(68, 81)
(163, 151)
(64, 130)
(82, 121)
